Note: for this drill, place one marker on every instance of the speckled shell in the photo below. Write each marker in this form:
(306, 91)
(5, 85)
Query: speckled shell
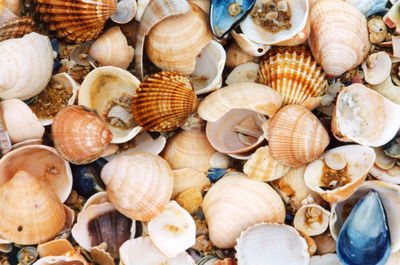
(76, 20)
(80, 135)
(16, 28)
(293, 73)
(163, 101)
(296, 137)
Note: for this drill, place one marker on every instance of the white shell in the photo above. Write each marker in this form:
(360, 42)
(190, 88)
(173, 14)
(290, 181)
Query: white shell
(249, 46)
(246, 72)
(141, 6)
(388, 90)
(310, 224)
(125, 11)
(327, 259)
(57, 260)
(377, 68)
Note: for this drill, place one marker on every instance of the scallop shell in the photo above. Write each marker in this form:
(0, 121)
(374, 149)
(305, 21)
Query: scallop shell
(163, 102)
(80, 135)
(16, 28)
(187, 178)
(78, 21)
(228, 214)
(296, 137)
(311, 219)
(30, 212)
(338, 50)
(294, 74)
(138, 185)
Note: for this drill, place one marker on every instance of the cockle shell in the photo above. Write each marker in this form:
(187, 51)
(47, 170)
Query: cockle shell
(163, 101)
(228, 214)
(16, 28)
(78, 21)
(30, 212)
(33, 51)
(80, 135)
(294, 74)
(188, 178)
(338, 50)
(377, 68)
(296, 137)
(138, 185)
(311, 219)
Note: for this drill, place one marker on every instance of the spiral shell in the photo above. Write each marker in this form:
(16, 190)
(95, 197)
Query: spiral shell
(16, 28)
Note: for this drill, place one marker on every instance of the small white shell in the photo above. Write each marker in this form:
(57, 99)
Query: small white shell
(125, 12)
(311, 219)
(377, 68)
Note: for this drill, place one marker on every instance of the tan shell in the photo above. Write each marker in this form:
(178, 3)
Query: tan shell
(236, 56)
(100, 256)
(138, 185)
(30, 212)
(296, 137)
(16, 28)
(56, 247)
(248, 46)
(80, 135)
(228, 214)
(187, 178)
(56, 260)
(338, 50)
(246, 72)
(325, 243)
(311, 219)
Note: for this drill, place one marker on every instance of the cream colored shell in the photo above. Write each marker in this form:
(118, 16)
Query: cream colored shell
(311, 219)
(187, 178)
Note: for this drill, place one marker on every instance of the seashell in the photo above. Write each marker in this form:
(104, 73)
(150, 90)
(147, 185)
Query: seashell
(326, 244)
(109, 91)
(138, 185)
(248, 46)
(124, 12)
(14, 6)
(55, 260)
(163, 101)
(365, 226)
(388, 90)
(227, 214)
(377, 30)
(174, 43)
(327, 259)
(142, 251)
(296, 137)
(377, 68)
(236, 56)
(16, 28)
(20, 122)
(100, 256)
(2, 5)
(76, 22)
(338, 51)
(219, 160)
(190, 200)
(246, 72)
(298, 13)
(312, 246)
(59, 249)
(369, 7)
(294, 74)
(203, 4)
(141, 6)
(80, 135)
(393, 259)
(392, 18)
(33, 51)
(187, 178)
(6, 14)
(207, 75)
(30, 212)
(363, 116)
(311, 219)
(276, 244)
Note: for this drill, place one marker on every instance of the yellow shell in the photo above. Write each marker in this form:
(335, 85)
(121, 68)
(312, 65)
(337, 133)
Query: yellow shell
(293, 73)
(163, 102)
(16, 28)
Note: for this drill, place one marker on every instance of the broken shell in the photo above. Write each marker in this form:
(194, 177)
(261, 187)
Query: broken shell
(338, 51)
(80, 135)
(79, 22)
(248, 46)
(138, 185)
(56, 247)
(296, 137)
(327, 259)
(100, 256)
(377, 30)
(16, 28)
(236, 56)
(125, 11)
(246, 72)
(56, 260)
(388, 90)
(33, 51)
(377, 68)
(97, 198)
(338, 185)
(187, 178)
(227, 214)
(311, 219)
(111, 48)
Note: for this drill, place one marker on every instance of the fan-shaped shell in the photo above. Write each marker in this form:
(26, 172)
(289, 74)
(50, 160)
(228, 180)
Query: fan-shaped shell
(294, 74)
(138, 185)
(16, 28)
(164, 101)
(80, 135)
(78, 20)
(338, 50)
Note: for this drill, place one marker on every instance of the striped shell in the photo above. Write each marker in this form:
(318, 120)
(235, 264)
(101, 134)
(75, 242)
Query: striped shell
(76, 21)
(16, 28)
(293, 73)
(163, 102)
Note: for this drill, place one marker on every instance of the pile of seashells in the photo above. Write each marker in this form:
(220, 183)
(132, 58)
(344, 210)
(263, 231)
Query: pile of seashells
(209, 132)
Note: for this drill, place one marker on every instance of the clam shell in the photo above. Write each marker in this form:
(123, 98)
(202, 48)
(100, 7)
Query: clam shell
(236, 56)
(296, 137)
(163, 101)
(187, 178)
(16, 28)
(377, 68)
(311, 219)
(78, 21)
(338, 50)
(125, 11)
(80, 135)
(246, 72)
(228, 214)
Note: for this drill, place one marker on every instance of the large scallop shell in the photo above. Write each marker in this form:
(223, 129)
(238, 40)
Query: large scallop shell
(294, 74)
(78, 20)
(164, 101)
(228, 214)
(80, 135)
(16, 28)
(338, 50)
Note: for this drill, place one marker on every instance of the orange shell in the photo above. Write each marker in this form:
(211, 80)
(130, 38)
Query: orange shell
(16, 28)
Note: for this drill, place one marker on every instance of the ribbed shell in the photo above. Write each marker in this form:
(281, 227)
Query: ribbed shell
(80, 135)
(76, 20)
(293, 73)
(30, 212)
(16, 28)
(163, 102)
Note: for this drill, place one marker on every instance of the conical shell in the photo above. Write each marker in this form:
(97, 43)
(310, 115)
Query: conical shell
(228, 214)
(294, 74)
(296, 137)
(338, 50)
(16, 28)
(187, 178)
(78, 20)
(80, 135)
(30, 212)
(138, 185)
(164, 101)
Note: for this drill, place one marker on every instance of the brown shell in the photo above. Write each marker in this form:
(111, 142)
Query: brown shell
(163, 102)
(76, 20)
(16, 28)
